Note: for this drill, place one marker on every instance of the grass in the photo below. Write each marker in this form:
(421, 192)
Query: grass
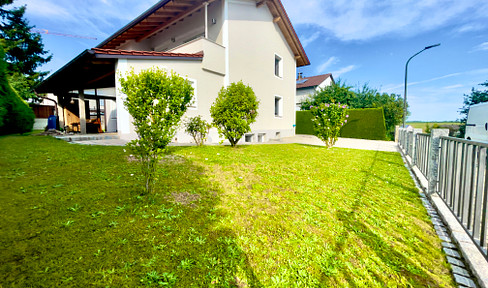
(255, 216)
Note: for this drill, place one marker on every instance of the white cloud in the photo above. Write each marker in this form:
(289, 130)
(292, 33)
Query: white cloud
(393, 88)
(471, 27)
(323, 67)
(343, 70)
(91, 18)
(308, 40)
(366, 19)
(482, 47)
(453, 86)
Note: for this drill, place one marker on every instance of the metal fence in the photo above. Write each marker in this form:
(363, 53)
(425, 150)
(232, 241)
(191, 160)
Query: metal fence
(463, 185)
(462, 177)
(422, 148)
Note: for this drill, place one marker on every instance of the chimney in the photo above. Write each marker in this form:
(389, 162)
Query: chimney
(300, 76)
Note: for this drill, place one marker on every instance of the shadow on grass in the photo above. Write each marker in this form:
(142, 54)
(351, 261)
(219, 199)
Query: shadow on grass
(94, 229)
(388, 254)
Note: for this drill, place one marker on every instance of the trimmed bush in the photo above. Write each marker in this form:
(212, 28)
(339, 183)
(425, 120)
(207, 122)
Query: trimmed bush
(368, 123)
(198, 129)
(15, 114)
(234, 110)
(156, 101)
(328, 120)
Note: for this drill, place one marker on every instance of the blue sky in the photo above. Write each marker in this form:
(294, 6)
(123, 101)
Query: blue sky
(358, 41)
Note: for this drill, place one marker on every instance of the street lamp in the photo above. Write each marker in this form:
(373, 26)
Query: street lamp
(406, 70)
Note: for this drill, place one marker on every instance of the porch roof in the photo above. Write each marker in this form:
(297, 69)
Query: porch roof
(95, 68)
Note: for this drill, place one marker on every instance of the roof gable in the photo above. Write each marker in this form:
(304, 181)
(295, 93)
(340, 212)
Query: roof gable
(168, 12)
(313, 81)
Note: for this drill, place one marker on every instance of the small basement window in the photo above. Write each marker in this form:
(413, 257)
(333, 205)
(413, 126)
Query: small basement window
(248, 138)
(278, 106)
(261, 137)
(278, 66)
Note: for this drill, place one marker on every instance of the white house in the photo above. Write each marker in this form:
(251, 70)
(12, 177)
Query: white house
(307, 86)
(212, 43)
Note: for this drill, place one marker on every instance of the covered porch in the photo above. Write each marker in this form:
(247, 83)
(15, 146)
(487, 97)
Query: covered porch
(85, 89)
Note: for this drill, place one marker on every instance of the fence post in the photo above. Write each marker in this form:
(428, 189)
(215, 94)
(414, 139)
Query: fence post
(408, 147)
(414, 145)
(397, 131)
(433, 159)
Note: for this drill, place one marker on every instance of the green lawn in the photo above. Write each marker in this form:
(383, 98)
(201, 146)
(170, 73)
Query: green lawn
(255, 216)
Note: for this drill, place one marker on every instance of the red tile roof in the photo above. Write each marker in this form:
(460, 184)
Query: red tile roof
(144, 53)
(314, 81)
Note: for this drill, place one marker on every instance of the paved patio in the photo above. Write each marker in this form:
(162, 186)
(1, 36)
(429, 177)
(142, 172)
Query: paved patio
(363, 144)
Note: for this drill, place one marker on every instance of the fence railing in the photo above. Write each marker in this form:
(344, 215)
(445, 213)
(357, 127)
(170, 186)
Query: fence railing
(461, 177)
(463, 184)
(422, 147)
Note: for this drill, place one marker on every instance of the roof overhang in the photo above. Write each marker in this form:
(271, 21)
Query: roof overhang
(95, 68)
(168, 12)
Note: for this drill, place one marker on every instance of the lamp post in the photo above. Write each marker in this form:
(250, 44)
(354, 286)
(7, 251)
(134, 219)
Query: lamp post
(406, 71)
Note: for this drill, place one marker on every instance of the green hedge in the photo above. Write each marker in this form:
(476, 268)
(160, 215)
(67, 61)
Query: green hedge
(366, 123)
(304, 123)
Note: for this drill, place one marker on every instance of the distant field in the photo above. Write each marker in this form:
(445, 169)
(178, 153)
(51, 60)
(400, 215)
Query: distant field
(422, 125)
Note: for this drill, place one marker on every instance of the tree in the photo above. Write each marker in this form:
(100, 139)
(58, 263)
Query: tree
(363, 97)
(15, 115)
(198, 129)
(24, 50)
(328, 120)
(156, 101)
(475, 97)
(392, 105)
(234, 110)
(338, 92)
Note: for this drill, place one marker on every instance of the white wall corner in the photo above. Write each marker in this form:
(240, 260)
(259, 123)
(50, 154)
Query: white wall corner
(123, 116)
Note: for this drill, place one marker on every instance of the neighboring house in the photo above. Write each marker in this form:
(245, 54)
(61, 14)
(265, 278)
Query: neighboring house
(307, 86)
(212, 43)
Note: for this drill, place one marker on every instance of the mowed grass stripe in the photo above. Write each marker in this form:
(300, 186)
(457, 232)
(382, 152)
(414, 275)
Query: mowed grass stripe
(255, 216)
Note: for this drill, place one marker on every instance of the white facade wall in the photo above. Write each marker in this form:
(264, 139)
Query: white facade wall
(254, 40)
(206, 84)
(241, 45)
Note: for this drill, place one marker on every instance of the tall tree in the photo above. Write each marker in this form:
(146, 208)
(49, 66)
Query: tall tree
(24, 50)
(475, 97)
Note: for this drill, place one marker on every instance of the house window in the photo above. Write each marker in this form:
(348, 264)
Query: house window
(278, 106)
(194, 101)
(278, 66)
(248, 138)
(261, 137)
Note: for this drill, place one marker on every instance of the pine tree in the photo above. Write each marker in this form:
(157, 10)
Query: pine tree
(24, 50)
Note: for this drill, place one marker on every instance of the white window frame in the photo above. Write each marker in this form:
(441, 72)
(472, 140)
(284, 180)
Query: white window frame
(280, 66)
(280, 106)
